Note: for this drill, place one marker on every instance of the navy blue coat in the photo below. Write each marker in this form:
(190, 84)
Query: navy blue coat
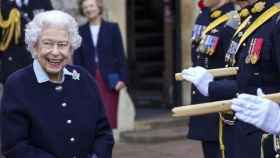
(198, 124)
(265, 74)
(110, 51)
(16, 56)
(35, 118)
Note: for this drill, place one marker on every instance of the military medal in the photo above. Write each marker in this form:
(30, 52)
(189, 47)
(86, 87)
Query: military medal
(197, 31)
(248, 57)
(213, 43)
(255, 50)
(254, 59)
(201, 47)
(231, 52)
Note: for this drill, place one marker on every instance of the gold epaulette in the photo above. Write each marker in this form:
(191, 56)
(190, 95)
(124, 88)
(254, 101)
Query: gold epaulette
(10, 28)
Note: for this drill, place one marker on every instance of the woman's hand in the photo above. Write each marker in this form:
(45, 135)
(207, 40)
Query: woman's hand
(120, 85)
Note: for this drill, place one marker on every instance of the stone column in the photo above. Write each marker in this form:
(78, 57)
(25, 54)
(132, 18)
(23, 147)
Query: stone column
(189, 11)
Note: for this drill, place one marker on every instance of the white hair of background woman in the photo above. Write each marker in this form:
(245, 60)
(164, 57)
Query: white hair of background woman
(55, 18)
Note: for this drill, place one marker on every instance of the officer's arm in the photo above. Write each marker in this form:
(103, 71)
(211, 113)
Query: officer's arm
(226, 36)
(15, 128)
(275, 44)
(48, 5)
(223, 89)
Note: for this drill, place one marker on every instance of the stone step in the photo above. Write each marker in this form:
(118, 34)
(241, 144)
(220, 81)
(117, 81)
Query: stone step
(155, 135)
(146, 98)
(156, 129)
(161, 122)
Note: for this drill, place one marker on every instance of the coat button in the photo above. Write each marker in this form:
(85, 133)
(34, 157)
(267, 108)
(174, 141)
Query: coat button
(58, 88)
(193, 92)
(64, 104)
(69, 121)
(244, 44)
(72, 139)
(10, 58)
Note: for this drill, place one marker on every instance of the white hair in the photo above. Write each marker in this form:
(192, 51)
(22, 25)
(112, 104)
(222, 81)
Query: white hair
(55, 18)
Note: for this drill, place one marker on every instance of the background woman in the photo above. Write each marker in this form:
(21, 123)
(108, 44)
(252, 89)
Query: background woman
(102, 54)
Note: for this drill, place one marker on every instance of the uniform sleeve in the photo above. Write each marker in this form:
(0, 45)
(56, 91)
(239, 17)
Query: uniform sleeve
(15, 126)
(227, 34)
(48, 5)
(223, 89)
(120, 57)
(103, 139)
(275, 40)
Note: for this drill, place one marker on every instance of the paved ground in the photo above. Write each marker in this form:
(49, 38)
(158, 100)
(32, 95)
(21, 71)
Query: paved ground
(172, 149)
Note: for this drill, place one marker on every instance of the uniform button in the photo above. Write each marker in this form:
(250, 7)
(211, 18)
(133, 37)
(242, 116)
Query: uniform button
(193, 92)
(240, 34)
(10, 58)
(244, 44)
(72, 139)
(64, 104)
(58, 88)
(69, 121)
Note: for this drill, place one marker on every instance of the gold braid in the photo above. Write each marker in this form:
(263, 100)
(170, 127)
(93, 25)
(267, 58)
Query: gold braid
(11, 28)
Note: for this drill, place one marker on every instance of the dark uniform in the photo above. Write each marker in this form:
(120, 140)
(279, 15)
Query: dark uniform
(258, 59)
(206, 128)
(54, 120)
(16, 56)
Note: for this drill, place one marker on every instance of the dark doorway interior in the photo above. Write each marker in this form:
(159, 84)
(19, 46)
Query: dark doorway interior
(151, 61)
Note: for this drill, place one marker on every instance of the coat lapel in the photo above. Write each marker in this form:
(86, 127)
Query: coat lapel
(101, 34)
(88, 42)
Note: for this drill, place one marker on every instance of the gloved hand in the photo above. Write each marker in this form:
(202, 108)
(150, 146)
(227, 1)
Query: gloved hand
(200, 77)
(234, 19)
(258, 111)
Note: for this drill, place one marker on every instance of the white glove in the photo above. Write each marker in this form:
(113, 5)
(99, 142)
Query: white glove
(234, 19)
(258, 111)
(200, 77)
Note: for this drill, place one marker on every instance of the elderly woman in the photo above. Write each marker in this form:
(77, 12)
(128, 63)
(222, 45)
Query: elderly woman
(50, 109)
(102, 54)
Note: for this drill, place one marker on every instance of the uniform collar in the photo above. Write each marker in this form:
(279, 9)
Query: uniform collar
(41, 74)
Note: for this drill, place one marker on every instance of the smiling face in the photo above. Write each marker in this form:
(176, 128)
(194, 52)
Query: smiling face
(91, 10)
(53, 50)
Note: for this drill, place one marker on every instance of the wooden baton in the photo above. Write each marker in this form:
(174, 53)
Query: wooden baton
(212, 107)
(219, 72)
